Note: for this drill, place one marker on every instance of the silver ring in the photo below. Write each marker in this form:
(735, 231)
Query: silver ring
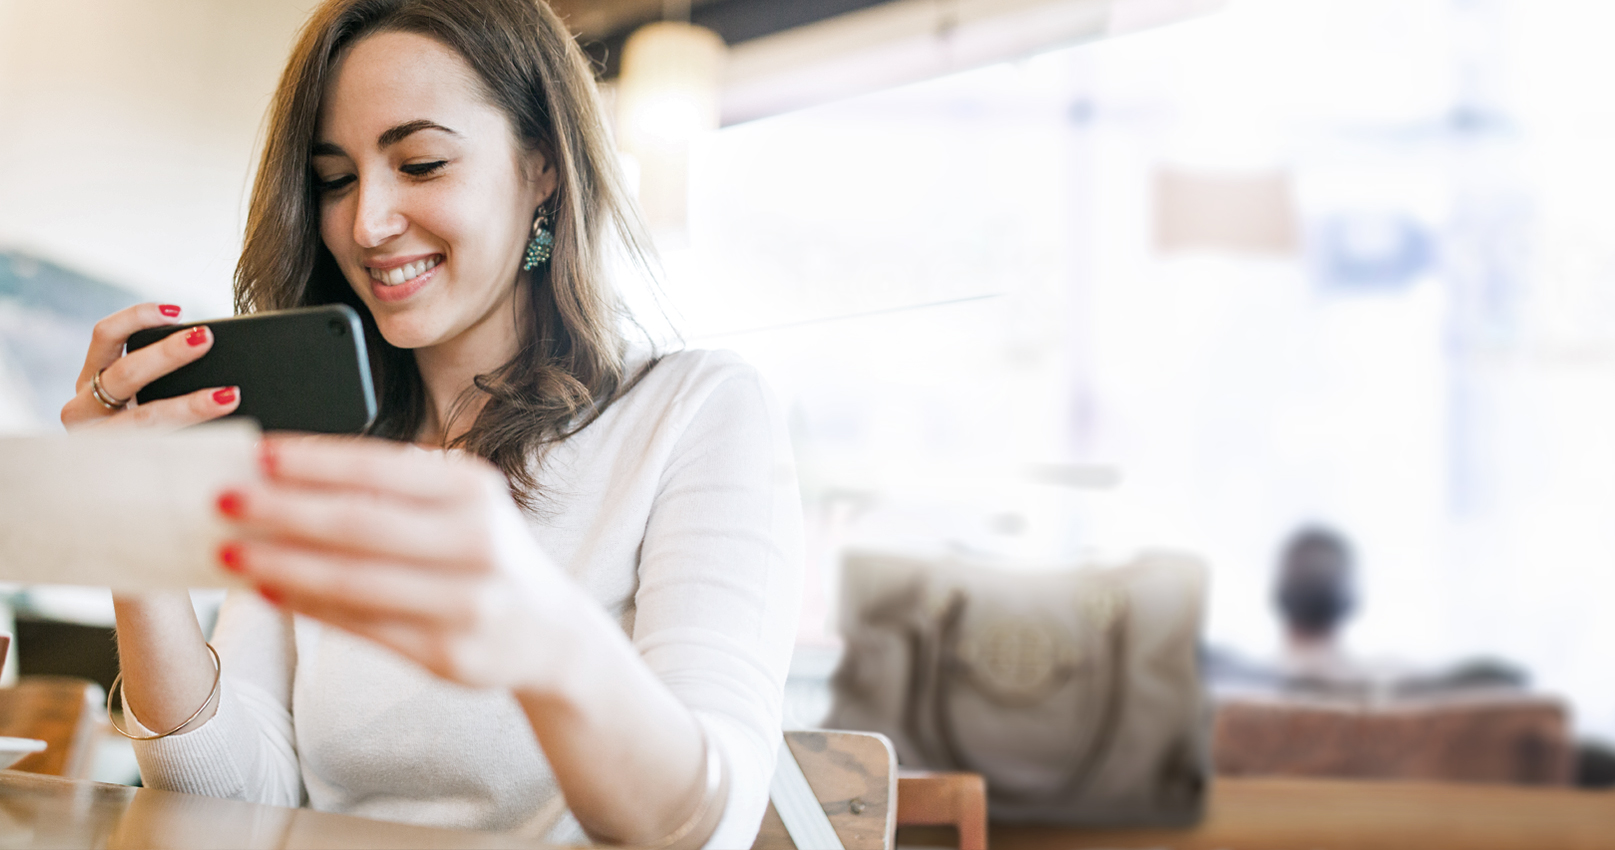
(101, 395)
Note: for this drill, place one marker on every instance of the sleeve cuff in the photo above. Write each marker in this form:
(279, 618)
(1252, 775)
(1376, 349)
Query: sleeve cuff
(750, 763)
(196, 761)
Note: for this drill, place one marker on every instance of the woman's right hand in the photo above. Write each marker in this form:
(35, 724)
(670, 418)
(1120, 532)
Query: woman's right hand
(123, 375)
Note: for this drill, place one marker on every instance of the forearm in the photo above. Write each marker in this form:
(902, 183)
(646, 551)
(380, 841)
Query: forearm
(627, 754)
(167, 670)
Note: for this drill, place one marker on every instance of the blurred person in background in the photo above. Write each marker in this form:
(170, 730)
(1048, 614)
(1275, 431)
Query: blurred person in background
(1316, 593)
(572, 615)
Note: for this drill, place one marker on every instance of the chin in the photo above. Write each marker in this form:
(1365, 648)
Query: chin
(405, 334)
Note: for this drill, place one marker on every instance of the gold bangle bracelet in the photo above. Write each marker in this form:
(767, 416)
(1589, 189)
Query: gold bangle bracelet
(218, 669)
(715, 787)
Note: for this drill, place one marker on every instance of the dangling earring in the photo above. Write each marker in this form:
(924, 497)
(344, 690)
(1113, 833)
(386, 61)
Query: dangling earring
(538, 247)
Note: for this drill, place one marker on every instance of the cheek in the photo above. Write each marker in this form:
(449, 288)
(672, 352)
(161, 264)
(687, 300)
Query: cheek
(468, 224)
(503, 208)
(334, 229)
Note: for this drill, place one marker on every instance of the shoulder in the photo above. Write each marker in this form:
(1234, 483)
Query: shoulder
(691, 368)
(666, 395)
(682, 382)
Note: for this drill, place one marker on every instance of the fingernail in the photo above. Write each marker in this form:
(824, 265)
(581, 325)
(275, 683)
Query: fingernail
(196, 336)
(232, 504)
(169, 310)
(267, 458)
(271, 595)
(225, 396)
(230, 557)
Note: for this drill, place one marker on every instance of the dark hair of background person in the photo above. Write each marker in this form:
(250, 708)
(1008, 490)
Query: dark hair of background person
(1316, 590)
(570, 365)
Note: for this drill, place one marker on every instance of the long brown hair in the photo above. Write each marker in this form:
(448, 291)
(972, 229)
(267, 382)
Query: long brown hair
(570, 363)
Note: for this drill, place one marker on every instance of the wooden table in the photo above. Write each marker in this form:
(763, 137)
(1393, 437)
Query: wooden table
(1312, 814)
(1245, 814)
(47, 812)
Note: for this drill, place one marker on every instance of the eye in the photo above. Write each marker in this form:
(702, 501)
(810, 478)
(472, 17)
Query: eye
(421, 169)
(334, 184)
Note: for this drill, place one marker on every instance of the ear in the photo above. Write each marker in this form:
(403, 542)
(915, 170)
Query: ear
(542, 177)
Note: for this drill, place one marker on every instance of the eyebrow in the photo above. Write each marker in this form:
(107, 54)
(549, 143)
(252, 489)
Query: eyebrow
(392, 136)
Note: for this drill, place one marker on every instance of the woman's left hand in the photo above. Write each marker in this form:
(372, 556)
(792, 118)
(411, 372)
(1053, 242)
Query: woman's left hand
(423, 553)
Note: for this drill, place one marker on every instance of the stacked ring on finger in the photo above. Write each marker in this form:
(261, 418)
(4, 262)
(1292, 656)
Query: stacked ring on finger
(106, 399)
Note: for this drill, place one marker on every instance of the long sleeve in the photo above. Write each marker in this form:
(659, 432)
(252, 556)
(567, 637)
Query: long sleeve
(677, 511)
(247, 750)
(720, 581)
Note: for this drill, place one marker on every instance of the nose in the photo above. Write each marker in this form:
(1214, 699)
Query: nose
(378, 218)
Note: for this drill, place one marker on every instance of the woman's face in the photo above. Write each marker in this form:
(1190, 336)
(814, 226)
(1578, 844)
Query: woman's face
(426, 198)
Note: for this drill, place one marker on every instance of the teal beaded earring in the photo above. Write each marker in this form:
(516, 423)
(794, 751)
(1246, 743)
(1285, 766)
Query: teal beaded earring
(538, 247)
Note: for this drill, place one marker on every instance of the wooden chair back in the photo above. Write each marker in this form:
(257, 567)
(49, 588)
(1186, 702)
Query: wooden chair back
(854, 776)
(957, 799)
(1502, 738)
(66, 713)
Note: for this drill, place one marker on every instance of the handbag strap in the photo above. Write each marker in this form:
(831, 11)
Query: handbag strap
(948, 665)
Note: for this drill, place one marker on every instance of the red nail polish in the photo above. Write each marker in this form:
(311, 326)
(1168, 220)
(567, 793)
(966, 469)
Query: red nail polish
(232, 504)
(196, 336)
(169, 310)
(224, 396)
(230, 557)
(271, 595)
(267, 458)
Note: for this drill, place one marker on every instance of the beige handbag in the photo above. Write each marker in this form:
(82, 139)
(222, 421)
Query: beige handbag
(1076, 693)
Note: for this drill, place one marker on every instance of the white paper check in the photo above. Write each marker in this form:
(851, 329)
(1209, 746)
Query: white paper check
(125, 510)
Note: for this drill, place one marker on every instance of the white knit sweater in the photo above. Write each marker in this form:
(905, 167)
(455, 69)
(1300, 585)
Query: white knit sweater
(677, 511)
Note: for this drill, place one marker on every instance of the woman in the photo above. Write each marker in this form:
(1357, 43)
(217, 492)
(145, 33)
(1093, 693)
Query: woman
(587, 604)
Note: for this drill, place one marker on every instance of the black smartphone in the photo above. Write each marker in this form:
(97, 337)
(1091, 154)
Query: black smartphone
(298, 370)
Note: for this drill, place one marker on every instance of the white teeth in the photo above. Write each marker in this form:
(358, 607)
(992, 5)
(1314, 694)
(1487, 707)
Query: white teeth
(405, 272)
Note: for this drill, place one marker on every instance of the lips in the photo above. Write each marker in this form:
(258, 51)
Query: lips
(405, 273)
(398, 280)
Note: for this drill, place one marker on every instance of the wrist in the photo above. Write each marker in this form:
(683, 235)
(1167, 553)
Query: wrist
(576, 655)
(136, 601)
(567, 658)
(164, 611)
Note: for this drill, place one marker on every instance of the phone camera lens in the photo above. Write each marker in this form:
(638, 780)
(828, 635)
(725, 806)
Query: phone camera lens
(337, 327)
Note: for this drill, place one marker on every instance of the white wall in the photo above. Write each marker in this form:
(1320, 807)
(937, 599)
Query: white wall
(127, 135)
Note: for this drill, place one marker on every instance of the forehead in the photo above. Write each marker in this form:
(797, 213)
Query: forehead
(389, 78)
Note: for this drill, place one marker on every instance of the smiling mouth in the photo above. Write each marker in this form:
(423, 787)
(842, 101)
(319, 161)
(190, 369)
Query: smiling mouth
(404, 273)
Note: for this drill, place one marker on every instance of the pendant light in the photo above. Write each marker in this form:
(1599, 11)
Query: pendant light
(667, 96)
